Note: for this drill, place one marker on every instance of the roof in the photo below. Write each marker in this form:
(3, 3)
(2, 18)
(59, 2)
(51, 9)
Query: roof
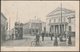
(35, 20)
(57, 11)
(3, 15)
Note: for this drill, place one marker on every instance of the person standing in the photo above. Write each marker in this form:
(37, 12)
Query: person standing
(12, 36)
(69, 41)
(51, 34)
(55, 42)
(42, 36)
(16, 34)
(37, 39)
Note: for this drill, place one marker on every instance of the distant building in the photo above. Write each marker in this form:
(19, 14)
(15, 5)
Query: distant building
(4, 27)
(26, 28)
(33, 26)
(61, 20)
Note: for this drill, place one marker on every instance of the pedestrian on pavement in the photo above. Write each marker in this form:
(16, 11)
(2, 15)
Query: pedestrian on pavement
(69, 41)
(43, 36)
(55, 42)
(16, 34)
(12, 36)
(51, 34)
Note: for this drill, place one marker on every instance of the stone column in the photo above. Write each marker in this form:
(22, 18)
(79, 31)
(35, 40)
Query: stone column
(53, 28)
(64, 27)
(59, 28)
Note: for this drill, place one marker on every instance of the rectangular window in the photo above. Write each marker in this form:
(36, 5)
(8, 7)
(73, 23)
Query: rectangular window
(69, 28)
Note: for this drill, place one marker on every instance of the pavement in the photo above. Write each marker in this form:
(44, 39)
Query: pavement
(26, 41)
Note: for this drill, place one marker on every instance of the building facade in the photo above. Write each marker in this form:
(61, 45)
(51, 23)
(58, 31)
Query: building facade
(33, 26)
(4, 27)
(61, 20)
(26, 29)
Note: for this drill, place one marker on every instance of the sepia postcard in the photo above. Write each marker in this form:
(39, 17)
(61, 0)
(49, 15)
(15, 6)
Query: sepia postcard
(39, 25)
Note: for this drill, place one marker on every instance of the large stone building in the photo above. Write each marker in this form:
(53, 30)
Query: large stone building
(61, 20)
(4, 27)
(33, 26)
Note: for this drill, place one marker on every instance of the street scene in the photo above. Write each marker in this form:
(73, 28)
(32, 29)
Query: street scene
(37, 24)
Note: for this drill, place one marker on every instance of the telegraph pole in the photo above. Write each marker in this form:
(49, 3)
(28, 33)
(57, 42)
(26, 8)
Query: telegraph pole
(61, 24)
(61, 17)
(17, 15)
(61, 12)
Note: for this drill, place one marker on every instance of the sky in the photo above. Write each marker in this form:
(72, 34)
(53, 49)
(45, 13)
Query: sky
(23, 11)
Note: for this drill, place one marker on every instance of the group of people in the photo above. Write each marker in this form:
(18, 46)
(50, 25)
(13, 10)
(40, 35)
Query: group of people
(16, 36)
(55, 38)
(43, 34)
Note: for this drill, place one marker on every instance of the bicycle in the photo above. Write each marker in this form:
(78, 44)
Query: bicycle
(36, 43)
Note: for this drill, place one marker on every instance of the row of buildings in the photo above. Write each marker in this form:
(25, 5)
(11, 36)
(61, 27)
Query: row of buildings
(60, 20)
(34, 26)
